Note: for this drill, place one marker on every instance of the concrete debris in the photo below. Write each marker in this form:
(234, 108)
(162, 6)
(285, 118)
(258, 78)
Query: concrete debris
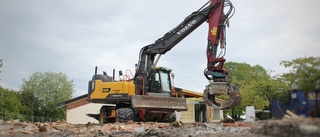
(228, 120)
(291, 125)
(285, 127)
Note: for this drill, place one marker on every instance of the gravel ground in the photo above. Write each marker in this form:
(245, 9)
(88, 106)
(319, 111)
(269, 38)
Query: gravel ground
(156, 132)
(305, 127)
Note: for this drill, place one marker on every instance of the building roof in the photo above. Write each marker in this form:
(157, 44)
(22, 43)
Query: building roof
(192, 94)
(62, 104)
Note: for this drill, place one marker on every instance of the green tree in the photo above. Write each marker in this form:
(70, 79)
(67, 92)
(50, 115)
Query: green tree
(30, 103)
(42, 92)
(305, 72)
(9, 101)
(256, 86)
(271, 88)
(244, 75)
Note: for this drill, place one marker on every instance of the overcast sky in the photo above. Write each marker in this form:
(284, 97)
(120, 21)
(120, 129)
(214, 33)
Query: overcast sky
(74, 36)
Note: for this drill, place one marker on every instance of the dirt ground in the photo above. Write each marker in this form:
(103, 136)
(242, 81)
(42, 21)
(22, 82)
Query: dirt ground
(298, 127)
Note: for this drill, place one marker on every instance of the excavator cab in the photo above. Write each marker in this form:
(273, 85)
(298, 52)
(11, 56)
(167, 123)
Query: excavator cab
(159, 95)
(160, 82)
(157, 102)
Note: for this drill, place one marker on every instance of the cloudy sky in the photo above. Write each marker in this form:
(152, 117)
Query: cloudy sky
(74, 36)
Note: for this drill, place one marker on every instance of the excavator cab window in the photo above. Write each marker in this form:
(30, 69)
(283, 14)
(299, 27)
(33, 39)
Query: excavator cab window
(161, 82)
(156, 84)
(165, 82)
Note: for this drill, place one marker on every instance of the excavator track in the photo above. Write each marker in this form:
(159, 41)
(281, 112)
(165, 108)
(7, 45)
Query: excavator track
(215, 89)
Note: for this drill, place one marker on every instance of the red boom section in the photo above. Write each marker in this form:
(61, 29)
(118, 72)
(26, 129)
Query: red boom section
(216, 31)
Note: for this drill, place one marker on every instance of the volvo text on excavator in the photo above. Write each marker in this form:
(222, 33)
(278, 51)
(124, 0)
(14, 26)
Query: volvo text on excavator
(148, 95)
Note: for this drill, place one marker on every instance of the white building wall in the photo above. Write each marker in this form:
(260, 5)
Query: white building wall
(217, 115)
(188, 116)
(78, 115)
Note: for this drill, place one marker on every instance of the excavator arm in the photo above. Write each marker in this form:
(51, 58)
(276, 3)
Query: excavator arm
(147, 55)
(219, 82)
(213, 13)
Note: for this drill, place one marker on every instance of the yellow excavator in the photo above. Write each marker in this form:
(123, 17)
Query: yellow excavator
(148, 95)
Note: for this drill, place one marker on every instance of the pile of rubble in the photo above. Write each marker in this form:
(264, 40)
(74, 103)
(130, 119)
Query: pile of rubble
(291, 125)
(15, 127)
(62, 128)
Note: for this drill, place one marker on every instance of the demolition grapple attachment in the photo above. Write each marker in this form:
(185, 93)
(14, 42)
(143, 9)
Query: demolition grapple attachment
(215, 89)
(219, 85)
